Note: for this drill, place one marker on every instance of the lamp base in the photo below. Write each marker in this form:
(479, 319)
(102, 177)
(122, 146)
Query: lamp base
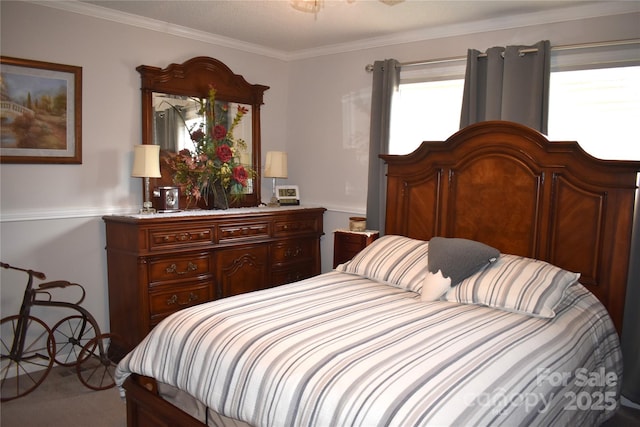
(273, 203)
(147, 205)
(147, 208)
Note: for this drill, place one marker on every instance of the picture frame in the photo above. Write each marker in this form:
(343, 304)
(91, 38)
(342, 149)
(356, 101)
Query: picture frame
(41, 112)
(288, 194)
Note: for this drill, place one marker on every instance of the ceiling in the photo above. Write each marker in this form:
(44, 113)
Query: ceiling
(275, 27)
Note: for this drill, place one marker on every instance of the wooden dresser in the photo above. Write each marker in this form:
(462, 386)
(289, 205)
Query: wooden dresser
(162, 263)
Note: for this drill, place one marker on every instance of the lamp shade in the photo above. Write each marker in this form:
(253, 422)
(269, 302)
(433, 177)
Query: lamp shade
(276, 164)
(146, 161)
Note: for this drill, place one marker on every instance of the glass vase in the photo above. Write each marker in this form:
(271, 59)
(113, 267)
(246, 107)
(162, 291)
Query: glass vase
(217, 197)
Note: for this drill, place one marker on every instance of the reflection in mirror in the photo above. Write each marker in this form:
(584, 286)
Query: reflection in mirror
(176, 117)
(171, 114)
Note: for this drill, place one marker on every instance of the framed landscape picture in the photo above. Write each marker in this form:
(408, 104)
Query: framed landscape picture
(40, 112)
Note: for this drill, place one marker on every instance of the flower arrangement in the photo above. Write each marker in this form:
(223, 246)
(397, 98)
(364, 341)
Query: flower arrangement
(212, 170)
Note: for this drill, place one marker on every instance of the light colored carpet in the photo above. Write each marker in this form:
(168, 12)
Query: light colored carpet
(63, 401)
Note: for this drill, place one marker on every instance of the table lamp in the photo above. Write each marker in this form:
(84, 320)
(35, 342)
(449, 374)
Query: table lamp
(146, 164)
(275, 167)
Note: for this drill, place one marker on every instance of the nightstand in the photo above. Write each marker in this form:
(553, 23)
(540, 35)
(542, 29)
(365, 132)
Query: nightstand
(346, 244)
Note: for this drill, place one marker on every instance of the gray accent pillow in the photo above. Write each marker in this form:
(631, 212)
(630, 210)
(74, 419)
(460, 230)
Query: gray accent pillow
(451, 260)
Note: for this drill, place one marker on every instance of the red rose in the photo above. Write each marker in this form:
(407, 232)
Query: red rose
(197, 135)
(219, 132)
(224, 153)
(240, 175)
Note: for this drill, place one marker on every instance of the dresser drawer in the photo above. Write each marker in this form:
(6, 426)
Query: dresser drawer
(243, 231)
(166, 302)
(295, 226)
(179, 267)
(293, 273)
(351, 239)
(292, 250)
(160, 239)
(346, 244)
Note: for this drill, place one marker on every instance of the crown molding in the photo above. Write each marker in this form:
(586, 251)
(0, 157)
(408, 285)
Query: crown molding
(160, 26)
(570, 13)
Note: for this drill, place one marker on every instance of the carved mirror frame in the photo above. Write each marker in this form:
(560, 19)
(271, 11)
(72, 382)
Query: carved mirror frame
(193, 78)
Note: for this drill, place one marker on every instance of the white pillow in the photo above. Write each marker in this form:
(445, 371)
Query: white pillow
(395, 260)
(434, 286)
(517, 284)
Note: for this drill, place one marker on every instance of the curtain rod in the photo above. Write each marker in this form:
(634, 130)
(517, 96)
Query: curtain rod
(369, 67)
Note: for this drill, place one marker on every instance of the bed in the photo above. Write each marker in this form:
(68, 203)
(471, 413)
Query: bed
(495, 298)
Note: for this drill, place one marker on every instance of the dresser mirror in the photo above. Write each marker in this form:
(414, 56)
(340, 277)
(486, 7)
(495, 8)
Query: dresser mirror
(170, 103)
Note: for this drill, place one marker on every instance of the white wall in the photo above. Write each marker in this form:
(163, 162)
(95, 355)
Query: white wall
(51, 214)
(317, 109)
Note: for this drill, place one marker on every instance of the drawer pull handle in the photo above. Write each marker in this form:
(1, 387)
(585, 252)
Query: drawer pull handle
(246, 230)
(174, 268)
(174, 299)
(292, 253)
(181, 237)
(295, 276)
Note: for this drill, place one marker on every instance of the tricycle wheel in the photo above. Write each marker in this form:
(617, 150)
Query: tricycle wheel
(70, 335)
(23, 371)
(95, 368)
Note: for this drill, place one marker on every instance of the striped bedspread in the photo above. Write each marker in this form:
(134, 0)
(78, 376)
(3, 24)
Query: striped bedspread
(342, 350)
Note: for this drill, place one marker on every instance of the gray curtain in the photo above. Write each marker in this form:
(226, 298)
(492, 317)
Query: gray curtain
(167, 127)
(507, 84)
(631, 325)
(386, 78)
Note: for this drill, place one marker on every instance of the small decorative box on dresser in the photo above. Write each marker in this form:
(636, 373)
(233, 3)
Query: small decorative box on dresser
(346, 244)
(159, 264)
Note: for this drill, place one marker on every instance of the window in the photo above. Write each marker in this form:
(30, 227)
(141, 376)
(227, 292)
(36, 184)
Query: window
(427, 111)
(427, 105)
(596, 106)
(599, 109)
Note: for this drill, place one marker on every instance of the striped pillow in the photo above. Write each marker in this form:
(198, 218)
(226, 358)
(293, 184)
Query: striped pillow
(517, 284)
(395, 260)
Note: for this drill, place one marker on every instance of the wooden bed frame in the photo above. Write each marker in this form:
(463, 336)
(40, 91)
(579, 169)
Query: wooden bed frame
(507, 186)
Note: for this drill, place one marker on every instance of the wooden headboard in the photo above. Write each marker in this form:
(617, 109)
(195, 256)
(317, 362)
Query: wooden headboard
(506, 185)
